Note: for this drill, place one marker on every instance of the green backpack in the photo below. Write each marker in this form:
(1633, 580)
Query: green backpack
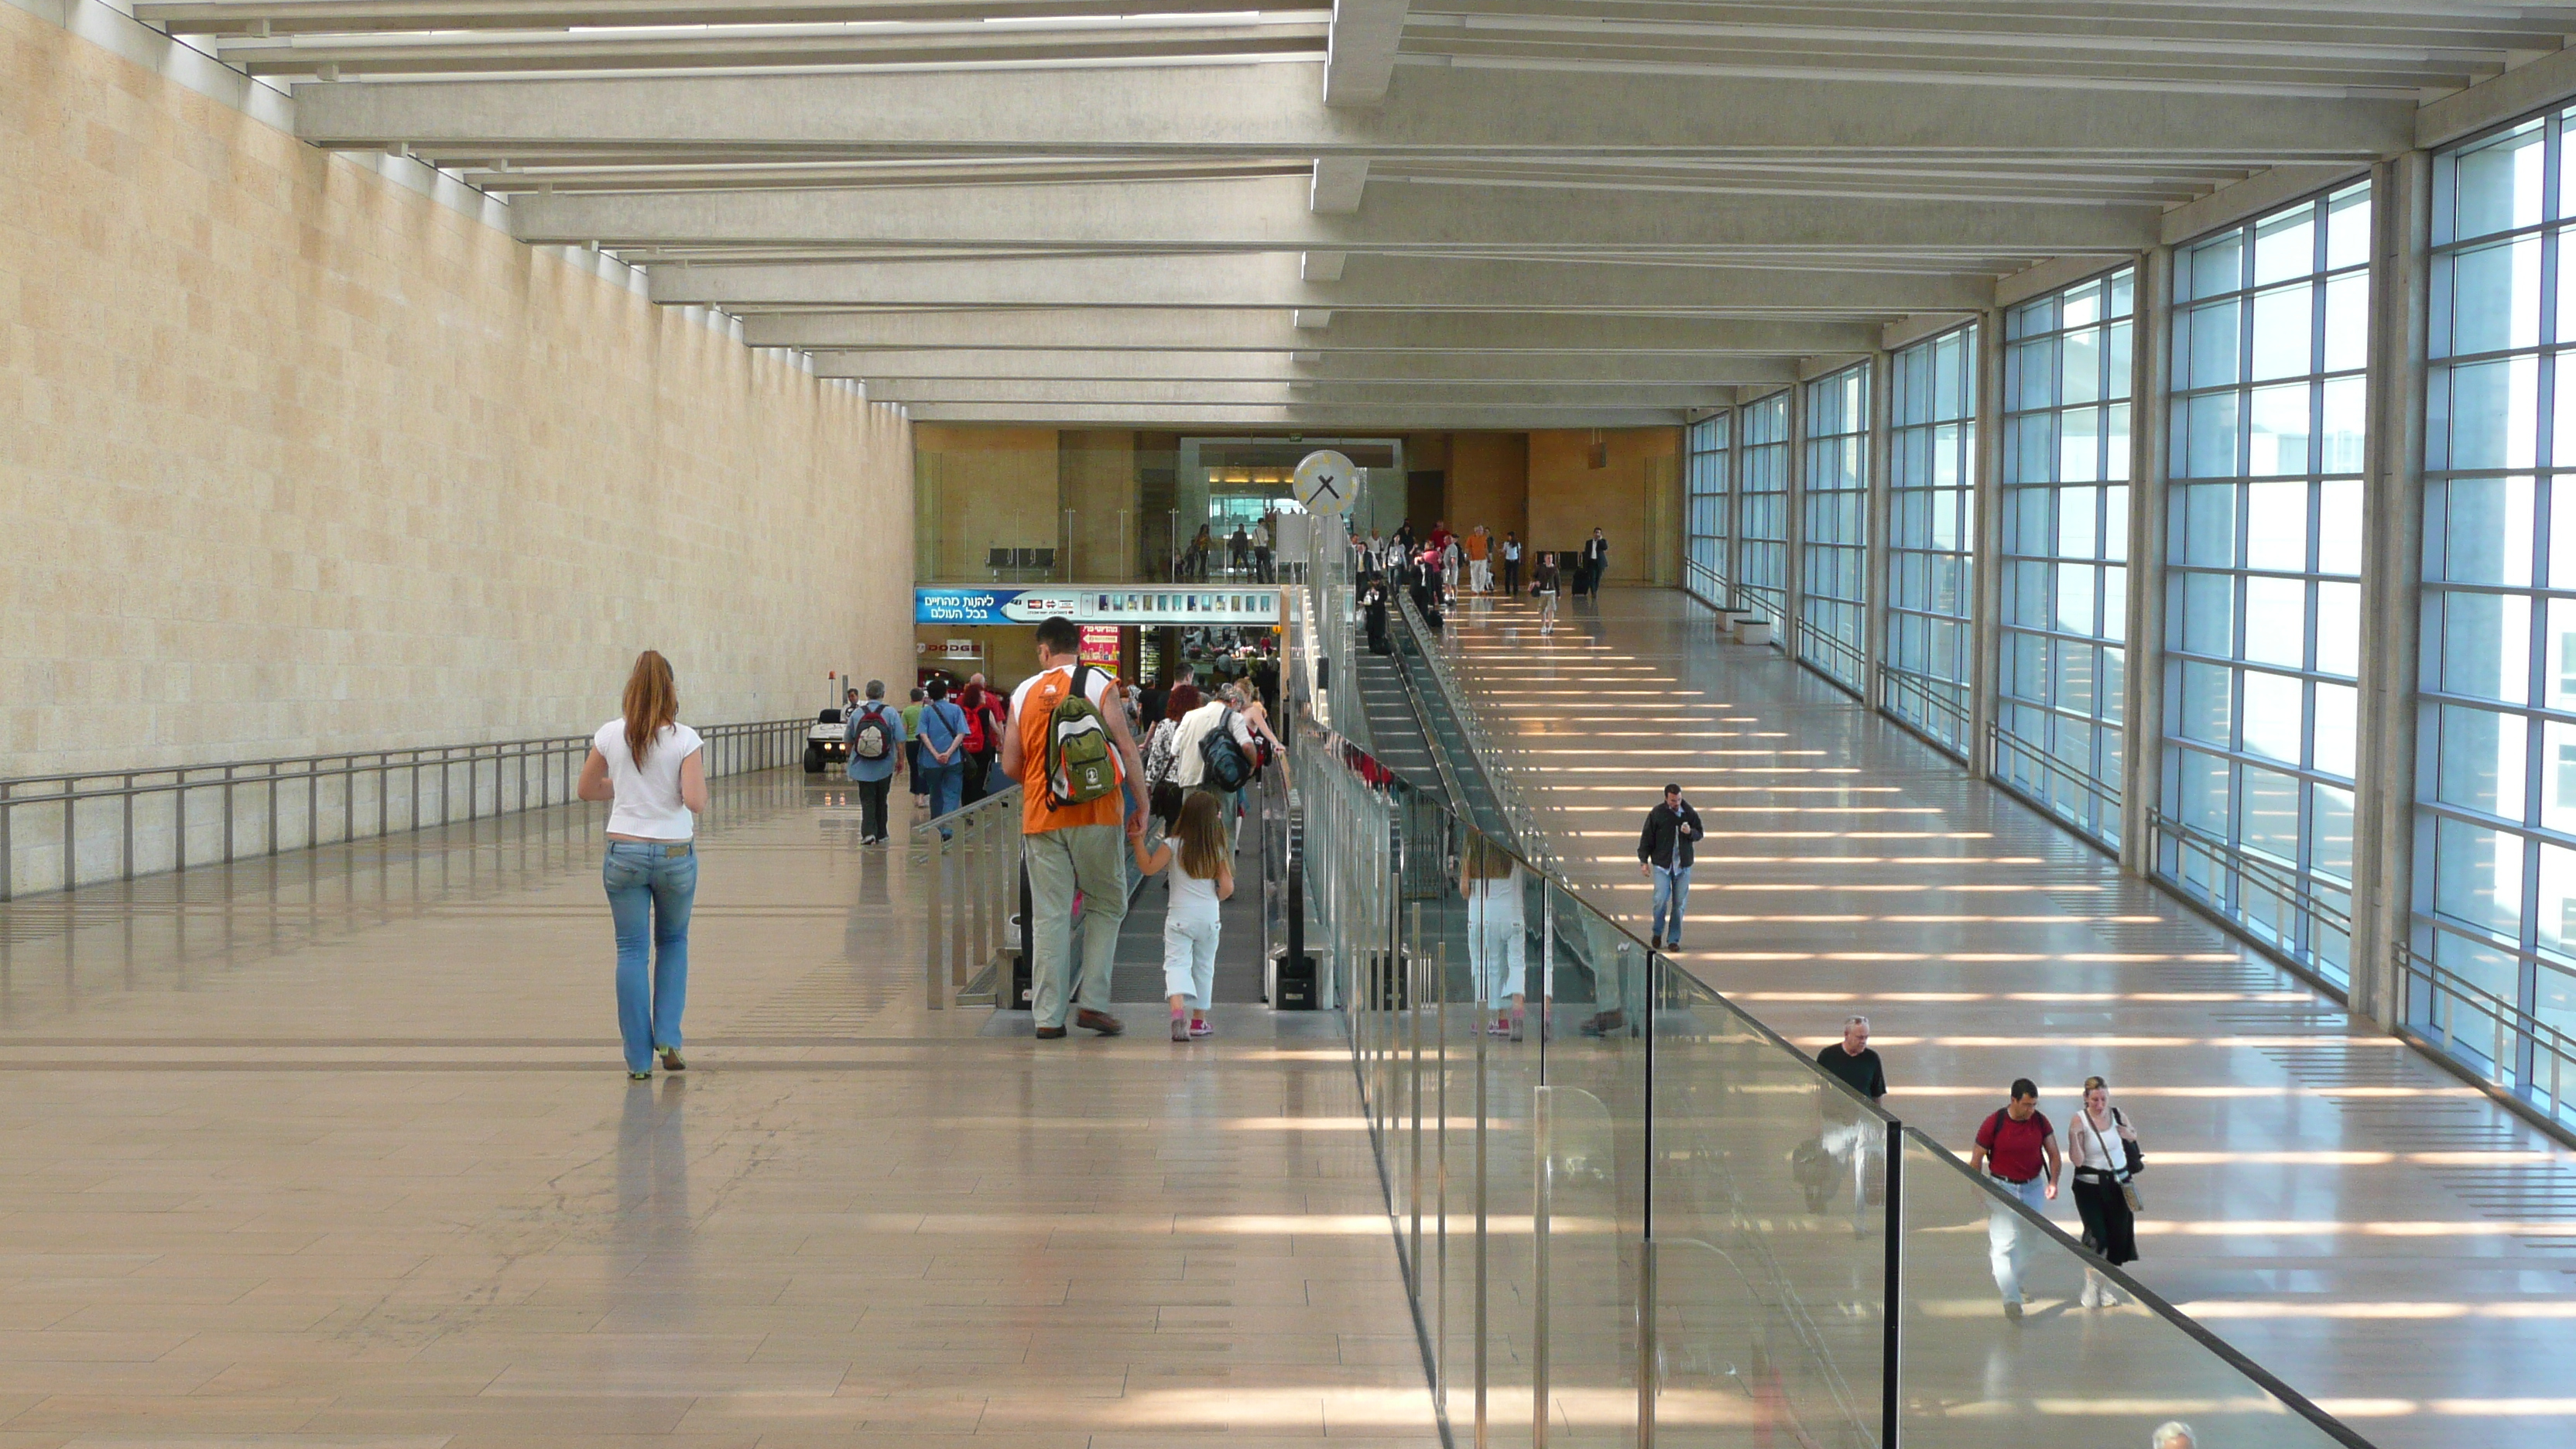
(1079, 769)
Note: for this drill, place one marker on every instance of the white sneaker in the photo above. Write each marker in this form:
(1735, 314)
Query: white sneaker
(2092, 1296)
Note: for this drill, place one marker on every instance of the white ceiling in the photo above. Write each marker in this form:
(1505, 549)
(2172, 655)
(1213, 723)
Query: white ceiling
(1517, 212)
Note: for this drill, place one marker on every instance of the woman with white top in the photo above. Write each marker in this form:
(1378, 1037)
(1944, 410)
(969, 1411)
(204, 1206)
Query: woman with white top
(2101, 1192)
(649, 765)
(1497, 932)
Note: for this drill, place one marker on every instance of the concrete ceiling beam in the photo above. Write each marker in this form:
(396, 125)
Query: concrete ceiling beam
(1271, 214)
(1522, 370)
(1271, 281)
(1279, 110)
(1042, 329)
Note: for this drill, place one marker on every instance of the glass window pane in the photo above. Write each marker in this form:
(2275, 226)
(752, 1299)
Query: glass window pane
(2276, 617)
(2275, 714)
(2480, 760)
(2284, 327)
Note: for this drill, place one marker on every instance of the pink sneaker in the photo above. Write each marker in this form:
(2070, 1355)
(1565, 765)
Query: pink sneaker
(1202, 1027)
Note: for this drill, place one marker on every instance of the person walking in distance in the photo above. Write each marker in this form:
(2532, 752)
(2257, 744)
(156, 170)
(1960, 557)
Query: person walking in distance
(1511, 563)
(1545, 584)
(1497, 933)
(1203, 875)
(2018, 1149)
(943, 750)
(2102, 1142)
(912, 746)
(876, 740)
(1596, 562)
(649, 767)
(1664, 851)
(1480, 560)
(1071, 752)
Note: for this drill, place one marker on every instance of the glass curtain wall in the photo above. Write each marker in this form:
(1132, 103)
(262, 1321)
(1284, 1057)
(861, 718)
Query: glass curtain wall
(2271, 342)
(1762, 548)
(2065, 501)
(2495, 846)
(1834, 600)
(1707, 526)
(1932, 536)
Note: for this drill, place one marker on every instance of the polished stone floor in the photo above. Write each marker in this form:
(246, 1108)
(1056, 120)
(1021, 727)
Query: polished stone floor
(336, 1150)
(2364, 1224)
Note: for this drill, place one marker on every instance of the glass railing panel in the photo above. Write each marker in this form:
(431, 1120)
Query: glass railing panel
(1505, 961)
(1770, 1231)
(1976, 1373)
(1596, 1072)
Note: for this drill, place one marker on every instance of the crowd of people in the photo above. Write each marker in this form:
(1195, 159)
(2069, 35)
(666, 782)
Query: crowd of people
(1438, 568)
(1113, 776)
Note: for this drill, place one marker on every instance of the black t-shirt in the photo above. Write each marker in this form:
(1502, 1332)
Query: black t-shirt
(1863, 1072)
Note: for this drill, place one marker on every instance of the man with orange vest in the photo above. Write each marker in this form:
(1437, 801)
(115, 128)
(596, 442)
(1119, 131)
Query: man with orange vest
(1072, 847)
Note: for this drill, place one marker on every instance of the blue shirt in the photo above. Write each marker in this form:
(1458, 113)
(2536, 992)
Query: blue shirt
(941, 723)
(881, 768)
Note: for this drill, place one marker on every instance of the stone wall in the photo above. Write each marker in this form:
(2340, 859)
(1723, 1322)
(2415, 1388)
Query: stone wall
(294, 458)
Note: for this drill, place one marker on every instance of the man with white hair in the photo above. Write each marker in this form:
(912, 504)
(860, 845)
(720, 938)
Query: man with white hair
(1848, 1133)
(1853, 1061)
(2173, 1434)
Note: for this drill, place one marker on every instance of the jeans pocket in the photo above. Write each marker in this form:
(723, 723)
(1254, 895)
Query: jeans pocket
(623, 873)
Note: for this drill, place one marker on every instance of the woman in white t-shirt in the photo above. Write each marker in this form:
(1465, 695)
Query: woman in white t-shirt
(648, 764)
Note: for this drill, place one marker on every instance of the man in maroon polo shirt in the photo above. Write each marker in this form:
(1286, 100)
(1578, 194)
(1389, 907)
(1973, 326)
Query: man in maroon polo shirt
(2018, 1149)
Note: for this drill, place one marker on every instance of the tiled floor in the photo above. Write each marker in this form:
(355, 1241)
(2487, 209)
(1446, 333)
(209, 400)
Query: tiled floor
(2367, 1226)
(336, 1150)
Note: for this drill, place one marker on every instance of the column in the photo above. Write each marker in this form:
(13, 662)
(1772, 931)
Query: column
(2391, 570)
(1987, 612)
(1793, 569)
(2142, 755)
(1880, 466)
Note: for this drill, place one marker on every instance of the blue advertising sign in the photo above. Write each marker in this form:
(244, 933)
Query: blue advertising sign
(1150, 604)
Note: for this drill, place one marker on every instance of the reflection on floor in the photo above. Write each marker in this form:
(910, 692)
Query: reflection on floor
(2373, 1230)
(336, 1149)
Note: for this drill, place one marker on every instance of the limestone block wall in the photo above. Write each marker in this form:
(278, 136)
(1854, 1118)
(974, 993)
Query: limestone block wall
(297, 459)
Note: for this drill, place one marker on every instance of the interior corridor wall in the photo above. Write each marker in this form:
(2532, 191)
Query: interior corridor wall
(294, 458)
(1634, 497)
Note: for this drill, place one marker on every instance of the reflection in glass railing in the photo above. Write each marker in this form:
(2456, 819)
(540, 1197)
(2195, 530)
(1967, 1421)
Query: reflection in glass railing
(1630, 1214)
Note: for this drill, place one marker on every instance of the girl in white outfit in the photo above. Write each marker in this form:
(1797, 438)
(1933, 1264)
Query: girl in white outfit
(1497, 930)
(1205, 876)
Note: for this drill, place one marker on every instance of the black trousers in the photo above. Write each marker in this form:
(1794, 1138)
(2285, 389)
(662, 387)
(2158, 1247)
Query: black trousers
(872, 808)
(1511, 576)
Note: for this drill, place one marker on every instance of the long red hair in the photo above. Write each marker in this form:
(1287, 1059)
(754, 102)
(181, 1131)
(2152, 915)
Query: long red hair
(652, 701)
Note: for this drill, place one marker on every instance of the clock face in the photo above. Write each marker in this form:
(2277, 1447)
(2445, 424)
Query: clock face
(1326, 482)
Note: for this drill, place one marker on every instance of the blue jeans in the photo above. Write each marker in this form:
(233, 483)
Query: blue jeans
(649, 894)
(2008, 1237)
(1672, 887)
(942, 783)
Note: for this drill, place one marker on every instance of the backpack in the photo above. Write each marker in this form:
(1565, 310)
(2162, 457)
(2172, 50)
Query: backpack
(1078, 756)
(1221, 754)
(872, 738)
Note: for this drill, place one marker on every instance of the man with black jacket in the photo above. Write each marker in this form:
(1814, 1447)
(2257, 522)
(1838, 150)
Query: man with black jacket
(1664, 853)
(1596, 562)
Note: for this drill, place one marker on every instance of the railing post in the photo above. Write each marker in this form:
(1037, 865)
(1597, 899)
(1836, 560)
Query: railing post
(1891, 1404)
(1646, 1349)
(930, 924)
(1542, 1211)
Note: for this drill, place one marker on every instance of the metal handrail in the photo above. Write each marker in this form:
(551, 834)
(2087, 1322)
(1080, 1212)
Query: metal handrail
(970, 934)
(1894, 681)
(544, 773)
(2504, 1019)
(2281, 880)
(1998, 739)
